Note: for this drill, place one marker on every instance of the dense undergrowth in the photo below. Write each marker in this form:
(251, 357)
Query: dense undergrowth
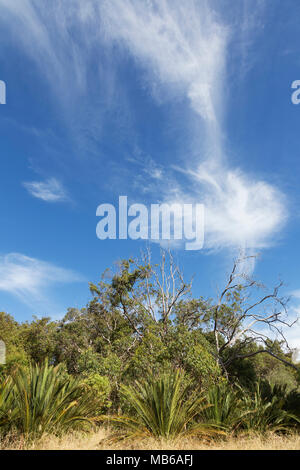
(42, 399)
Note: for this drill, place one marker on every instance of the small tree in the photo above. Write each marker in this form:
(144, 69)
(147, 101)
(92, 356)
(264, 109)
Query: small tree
(242, 317)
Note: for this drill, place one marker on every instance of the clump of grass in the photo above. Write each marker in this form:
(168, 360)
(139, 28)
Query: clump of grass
(99, 440)
(164, 407)
(40, 399)
(266, 412)
(225, 406)
(8, 411)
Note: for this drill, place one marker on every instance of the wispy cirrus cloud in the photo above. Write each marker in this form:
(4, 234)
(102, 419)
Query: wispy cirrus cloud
(29, 278)
(240, 211)
(185, 50)
(63, 40)
(182, 45)
(50, 190)
(182, 50)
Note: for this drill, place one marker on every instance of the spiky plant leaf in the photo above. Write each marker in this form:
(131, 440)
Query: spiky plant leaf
(45, 401)
(165, 407)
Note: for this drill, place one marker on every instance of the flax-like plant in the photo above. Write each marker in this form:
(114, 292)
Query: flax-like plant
(225, 406)
(8, 411)
(164, 407)
(266, 413)
(48, 402)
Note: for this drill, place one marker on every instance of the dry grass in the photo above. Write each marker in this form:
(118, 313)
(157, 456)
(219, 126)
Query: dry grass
(100, 441)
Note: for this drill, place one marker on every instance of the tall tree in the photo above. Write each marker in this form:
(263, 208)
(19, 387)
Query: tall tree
(244, 316)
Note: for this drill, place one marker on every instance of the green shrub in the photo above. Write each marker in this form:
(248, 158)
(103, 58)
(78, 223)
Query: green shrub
(8, 411)
(99, 388)
(165, 406)
(265, 410)
(225, 406)
(41, 400)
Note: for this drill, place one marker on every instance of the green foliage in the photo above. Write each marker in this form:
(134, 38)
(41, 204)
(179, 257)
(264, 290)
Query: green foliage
(165, 406)
(258, 367)
(150, 354)
(11, 334)
(8, 411)
(289, 399)
(39, 339)
(42, 400)
(191, 352)
(268, 407)
(266, 411)
(143, 322)
(178, 348)
(282, 375)
(88, 362)
(225, 406)
(99, 388)
(72, 338)
(292, 403)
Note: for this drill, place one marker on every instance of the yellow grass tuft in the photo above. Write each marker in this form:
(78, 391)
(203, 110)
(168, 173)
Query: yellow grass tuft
(100, 441)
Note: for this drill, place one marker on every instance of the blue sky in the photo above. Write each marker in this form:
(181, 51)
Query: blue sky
(165, 101)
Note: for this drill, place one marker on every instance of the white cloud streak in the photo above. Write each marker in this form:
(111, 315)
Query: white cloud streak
(50, 190)
(28, 278)
(46, 36)
(183, 48)
(240, 211)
